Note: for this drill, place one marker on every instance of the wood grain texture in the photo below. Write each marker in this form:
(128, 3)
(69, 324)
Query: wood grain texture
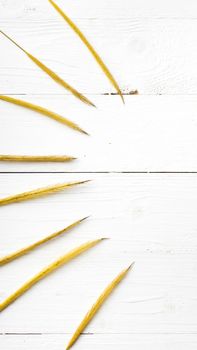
(150, 46)
(101, 341)
(28, 9)
(148, 218)
(149, 133)
(154, 56)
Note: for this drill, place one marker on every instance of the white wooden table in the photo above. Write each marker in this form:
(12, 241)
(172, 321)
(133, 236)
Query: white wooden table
(142, 158)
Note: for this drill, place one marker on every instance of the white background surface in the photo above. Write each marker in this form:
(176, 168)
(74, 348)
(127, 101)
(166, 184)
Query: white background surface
(142, 158)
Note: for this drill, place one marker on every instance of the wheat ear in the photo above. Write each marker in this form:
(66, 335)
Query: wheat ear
(28, 158)
(95, 307)
(43, 111)
(51, 73)
(90, 48)
(47, 270)
(38, 192)
(8, 258)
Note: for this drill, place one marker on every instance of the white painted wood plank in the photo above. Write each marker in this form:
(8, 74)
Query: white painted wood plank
(149, 218)
(154, 56)
(147, 134)
(35, 9)
(101, 341)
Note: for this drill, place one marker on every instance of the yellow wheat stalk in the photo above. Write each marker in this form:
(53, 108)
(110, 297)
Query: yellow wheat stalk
(26, 158)
(43, 111)
(90, 48)
(38, 192)
(47, 270)
(8, 258)
(52, 74)
(97, 305)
